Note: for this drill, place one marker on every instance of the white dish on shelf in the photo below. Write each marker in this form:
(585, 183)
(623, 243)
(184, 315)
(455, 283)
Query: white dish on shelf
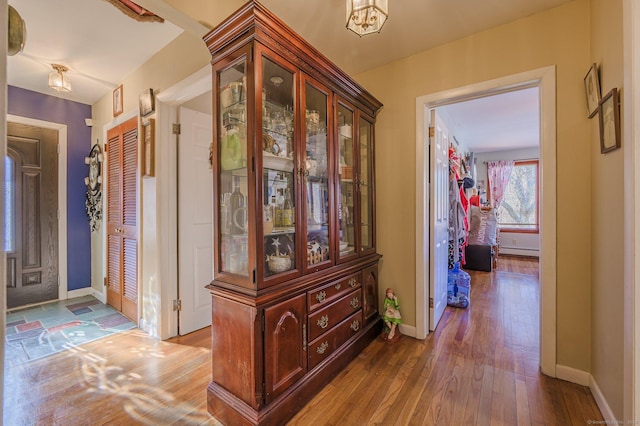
(343, 245)
(275, 162)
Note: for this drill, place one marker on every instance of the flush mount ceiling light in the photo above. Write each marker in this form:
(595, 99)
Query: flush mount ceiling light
(58, 80)
(366, 16)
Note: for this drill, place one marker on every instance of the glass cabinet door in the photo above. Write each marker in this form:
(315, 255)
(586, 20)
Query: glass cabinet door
(364, 184)
(316, 175)
(233, 215)
(346, 188)
(278, 154)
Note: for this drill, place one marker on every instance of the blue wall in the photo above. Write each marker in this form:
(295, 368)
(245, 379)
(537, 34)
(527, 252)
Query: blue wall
(26, 103)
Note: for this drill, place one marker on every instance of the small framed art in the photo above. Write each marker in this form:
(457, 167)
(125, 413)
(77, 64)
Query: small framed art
(147, 103)
(117, 101)
(592, 90)
(609, 115)
(148, 148)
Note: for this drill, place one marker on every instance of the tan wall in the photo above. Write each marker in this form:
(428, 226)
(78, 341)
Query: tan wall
(557, 37)
(181, 58)
(607, 227)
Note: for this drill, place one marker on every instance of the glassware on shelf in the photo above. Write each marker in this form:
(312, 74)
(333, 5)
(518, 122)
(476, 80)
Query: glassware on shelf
(238, 204)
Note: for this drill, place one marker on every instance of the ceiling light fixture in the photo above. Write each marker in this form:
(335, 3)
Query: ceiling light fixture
(366, 16)
(58, 80)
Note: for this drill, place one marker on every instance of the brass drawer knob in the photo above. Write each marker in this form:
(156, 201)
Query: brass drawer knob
(355, 302)
(353, 282)
(322, 348)
(355, 325)
(323, 322)
(320, 297)
(338, 286)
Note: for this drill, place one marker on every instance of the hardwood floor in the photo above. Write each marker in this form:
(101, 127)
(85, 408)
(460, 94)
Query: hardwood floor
(480, 367)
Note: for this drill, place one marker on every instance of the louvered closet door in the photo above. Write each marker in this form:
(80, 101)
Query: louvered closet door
(122, 225)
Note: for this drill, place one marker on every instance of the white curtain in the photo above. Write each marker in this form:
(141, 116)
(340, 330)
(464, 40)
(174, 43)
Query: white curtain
(498, 173)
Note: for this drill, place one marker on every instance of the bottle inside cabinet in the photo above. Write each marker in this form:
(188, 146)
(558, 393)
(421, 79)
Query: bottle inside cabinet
(345, 196)
(278, 168)
(232, 154)
(316, 175)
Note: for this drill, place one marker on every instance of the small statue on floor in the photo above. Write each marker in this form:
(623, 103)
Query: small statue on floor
(391, 317)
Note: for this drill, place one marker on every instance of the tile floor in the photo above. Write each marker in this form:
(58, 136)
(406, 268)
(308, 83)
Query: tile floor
(39, 331)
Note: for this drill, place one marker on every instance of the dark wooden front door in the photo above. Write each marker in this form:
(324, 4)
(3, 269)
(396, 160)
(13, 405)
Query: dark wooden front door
(122, 218)
(31, 214)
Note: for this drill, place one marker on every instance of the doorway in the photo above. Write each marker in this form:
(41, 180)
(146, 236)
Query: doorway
(544, 79)
(31, 215)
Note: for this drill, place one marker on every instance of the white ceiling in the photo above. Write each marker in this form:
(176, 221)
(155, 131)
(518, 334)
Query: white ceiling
(496, 123)
(102, 46)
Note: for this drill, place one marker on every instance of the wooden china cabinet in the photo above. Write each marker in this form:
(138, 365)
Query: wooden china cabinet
(295, 287)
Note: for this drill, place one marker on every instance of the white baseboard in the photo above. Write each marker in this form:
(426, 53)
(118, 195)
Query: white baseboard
(87, 291)
(601, 401)
(586, 379)
(408, 330)
(572, 375)
(81, 292)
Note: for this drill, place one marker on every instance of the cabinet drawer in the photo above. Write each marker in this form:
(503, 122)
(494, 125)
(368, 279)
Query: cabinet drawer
(324, 295)
(324, 346)
(324, 319)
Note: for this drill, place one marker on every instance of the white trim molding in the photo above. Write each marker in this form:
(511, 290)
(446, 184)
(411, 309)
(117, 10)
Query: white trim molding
(545, 80)
(601, 402)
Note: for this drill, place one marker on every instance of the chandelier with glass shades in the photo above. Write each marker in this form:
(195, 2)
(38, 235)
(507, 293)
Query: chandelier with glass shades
(366, 16)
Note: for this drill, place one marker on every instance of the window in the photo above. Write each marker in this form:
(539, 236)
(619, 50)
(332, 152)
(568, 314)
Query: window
(9, 205)
(519, 209)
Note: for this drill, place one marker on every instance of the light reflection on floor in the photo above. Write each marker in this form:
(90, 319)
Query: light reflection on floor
(128, 378)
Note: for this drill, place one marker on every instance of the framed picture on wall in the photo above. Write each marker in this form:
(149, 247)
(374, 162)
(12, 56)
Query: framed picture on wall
(148, 148)
(117, 101)
(609, 115)
(147, 103)
(592, 90)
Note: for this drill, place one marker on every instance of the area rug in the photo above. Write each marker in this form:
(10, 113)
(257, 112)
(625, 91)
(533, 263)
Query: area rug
(40, 331)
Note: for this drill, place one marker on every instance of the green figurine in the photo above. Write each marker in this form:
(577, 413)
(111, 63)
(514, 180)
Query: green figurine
(391, 315)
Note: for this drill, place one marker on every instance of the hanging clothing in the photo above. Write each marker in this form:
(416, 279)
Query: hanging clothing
(457, 217)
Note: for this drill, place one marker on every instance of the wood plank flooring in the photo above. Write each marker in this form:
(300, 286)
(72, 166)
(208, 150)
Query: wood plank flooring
(480, 367)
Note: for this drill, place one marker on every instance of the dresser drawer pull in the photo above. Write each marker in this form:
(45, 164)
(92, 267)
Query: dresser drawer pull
(355, 325)
(353, 282)
(355, 302)
(338, 286)
(320, 297)
(322, 348)
(323, 322)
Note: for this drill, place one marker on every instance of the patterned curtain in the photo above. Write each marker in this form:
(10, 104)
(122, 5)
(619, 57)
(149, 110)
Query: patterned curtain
(499, 173)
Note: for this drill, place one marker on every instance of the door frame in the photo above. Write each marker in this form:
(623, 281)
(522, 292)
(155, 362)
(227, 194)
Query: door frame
(167, 104)
(545, 79)
(62, 194)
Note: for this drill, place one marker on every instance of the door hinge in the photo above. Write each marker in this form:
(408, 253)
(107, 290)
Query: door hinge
(105, 281)
(177, 305)
(176, 129)
(431, 302)
(432, 132)
(254, 276)
(106, 147)
(262, 321)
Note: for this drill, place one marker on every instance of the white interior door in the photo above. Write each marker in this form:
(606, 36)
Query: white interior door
(439, 218)
(195, 220)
